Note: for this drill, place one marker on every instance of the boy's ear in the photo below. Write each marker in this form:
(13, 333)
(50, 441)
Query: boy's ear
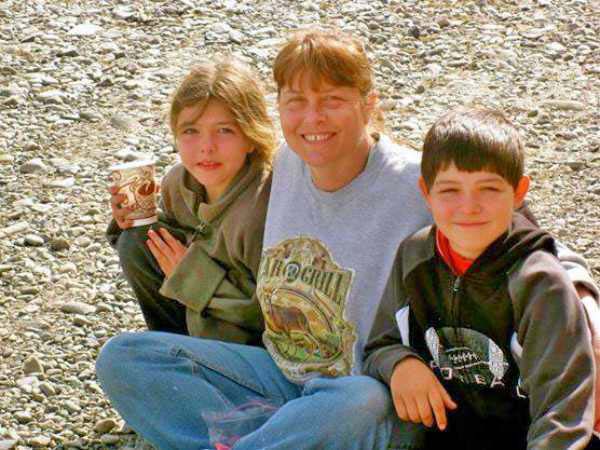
(424, 191)
(521, 190)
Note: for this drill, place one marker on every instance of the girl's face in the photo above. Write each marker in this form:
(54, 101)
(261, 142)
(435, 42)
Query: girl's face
(212, 146)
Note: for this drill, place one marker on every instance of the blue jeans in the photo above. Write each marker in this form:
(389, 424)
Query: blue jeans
(161, 383)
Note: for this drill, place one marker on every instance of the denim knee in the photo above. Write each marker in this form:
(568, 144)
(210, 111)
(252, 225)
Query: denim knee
(112, 359)
(360, 397)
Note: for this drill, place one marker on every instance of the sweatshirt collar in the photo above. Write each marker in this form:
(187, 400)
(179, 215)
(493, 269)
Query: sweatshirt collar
(194, 194)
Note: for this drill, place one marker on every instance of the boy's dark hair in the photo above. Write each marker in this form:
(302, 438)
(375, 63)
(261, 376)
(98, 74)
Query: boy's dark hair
(473, 139)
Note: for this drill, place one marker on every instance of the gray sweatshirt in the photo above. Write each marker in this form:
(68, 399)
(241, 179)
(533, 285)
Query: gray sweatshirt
(328, 255)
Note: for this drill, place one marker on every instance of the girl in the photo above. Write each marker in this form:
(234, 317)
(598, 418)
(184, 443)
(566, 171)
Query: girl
(205, 252)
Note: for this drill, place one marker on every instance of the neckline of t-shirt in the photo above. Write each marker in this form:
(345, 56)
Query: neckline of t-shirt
(358, 186)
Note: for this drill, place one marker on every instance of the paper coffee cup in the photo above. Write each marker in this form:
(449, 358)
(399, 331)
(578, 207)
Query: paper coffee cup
(136, 180)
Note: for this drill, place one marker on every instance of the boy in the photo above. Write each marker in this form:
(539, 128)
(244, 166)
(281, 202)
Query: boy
(480, 282)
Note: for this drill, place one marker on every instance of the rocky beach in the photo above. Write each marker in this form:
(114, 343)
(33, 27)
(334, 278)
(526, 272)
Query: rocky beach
(84, 85)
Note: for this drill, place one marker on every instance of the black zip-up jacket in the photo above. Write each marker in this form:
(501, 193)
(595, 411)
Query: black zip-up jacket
(463, 326)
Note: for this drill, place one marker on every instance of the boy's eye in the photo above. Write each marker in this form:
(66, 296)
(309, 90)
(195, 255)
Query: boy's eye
(448, 191)
(491, 189)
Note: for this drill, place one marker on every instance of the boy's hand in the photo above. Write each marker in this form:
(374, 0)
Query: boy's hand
(418, 395)
(167, 250)
(119, 212)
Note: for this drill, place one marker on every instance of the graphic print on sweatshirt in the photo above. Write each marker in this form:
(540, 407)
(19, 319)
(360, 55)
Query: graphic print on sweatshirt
(467, 356)
(303, 294)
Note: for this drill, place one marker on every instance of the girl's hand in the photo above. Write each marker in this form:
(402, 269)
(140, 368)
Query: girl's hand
(167, 250)
(119, 212)
(418, 395)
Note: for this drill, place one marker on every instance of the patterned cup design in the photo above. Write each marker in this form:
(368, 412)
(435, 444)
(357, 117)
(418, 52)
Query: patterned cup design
(136, 181)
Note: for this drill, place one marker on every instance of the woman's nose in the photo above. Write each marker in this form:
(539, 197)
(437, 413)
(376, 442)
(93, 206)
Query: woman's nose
(314, 114)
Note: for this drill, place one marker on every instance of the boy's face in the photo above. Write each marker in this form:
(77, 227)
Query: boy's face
(472, 209)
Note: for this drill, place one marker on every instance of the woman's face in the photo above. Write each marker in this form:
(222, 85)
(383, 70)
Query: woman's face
(325, 124)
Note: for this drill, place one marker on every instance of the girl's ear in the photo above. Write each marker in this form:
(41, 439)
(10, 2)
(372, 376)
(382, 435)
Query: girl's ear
(424, 191)
(521, 190)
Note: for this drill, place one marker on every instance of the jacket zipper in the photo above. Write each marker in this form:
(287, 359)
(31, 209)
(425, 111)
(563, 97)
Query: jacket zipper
(454, 302)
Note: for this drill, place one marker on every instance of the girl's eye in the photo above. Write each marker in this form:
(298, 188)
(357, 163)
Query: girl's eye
(225, 130)
(189, 131)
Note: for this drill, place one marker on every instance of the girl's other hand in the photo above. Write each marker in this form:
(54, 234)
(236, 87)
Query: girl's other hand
(167, 250)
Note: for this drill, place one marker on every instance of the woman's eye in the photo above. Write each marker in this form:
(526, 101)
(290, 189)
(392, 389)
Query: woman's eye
(333, 101)
(294, 101)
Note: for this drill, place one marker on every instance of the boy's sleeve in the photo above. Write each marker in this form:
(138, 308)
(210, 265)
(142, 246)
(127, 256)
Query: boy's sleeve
(384, 349)
(577, 269)
(556, 367)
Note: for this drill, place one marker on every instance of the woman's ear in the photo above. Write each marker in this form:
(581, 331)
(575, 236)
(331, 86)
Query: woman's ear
(370, 105)
(521, 190)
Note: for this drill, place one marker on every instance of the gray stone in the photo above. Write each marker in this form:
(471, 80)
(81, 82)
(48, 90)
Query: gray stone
(84, 29)
(564, 105)
(123, 122)
(105, 425)
(67, 267)
(27, 384)
(110, 439)
(32, 365)
(78, 308)
(33, 240)
(23, 417)
(72, 406)
(8, 444)
(47, 389)
(34, 165)
(65, 183)
(40, 441)
(58, 244)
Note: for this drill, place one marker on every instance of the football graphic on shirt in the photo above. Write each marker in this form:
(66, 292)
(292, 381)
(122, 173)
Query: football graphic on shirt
(467, 356)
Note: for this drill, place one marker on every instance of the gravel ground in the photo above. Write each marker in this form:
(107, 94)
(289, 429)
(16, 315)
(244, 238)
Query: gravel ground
(86, 84)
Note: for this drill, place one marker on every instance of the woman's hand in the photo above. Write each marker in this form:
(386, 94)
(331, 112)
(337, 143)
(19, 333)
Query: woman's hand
(167, 250)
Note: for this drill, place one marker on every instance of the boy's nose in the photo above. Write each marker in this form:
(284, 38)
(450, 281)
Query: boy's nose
(471, 204)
